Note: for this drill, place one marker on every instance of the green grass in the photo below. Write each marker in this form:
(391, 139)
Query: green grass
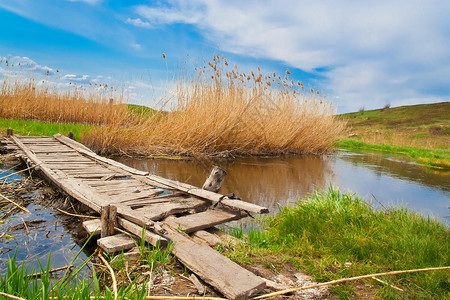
(37, 128)
(434, 158)
(402, 117)
(329, 229)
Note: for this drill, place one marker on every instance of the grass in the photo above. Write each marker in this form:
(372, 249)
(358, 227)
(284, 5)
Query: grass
(333, 235)
(216, 111)
(422, 126)
(433, 158)
(19, 280)
(37, 128)
(419, 132)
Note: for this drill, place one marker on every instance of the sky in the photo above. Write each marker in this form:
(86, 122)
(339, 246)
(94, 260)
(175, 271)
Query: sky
(361, 54)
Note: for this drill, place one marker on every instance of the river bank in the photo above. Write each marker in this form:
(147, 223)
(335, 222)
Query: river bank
(297, 243)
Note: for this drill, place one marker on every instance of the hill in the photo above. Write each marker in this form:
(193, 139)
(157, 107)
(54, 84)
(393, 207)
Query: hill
(425, 126)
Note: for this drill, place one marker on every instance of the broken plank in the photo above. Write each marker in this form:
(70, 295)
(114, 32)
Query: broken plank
(178, 205)
(116, 243)
(149, 236)
(209, 238)
(203, 220)
(211, 196)
(226, 276)
(92, 227)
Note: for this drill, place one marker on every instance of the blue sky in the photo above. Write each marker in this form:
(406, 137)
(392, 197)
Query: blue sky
(361, 53)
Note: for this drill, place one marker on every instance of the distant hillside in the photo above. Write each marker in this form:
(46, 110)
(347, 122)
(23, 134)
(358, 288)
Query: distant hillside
(424, 125)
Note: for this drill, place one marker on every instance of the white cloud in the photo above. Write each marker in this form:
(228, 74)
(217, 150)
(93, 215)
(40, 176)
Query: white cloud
(87, 1)
(184, 12)
(373, 52)
(138, 22)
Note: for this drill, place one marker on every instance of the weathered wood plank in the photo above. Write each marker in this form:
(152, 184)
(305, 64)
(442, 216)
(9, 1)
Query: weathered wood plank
(211, 239)
(211, 196)
(81, 148)
(71, 143)
(149, 236)
(116, 243)
(179, 205)
(92, 226)
(226, 276)
(55, 178)
(127, 196)
(206, 219)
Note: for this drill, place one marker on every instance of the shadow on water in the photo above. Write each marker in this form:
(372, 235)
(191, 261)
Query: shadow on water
(283, 180)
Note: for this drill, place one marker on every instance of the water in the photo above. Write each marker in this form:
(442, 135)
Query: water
(41, 234)
(265, 181)
(283, 180)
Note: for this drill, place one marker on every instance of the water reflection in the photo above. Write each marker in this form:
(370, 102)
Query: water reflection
(281, 180)
(265, 181)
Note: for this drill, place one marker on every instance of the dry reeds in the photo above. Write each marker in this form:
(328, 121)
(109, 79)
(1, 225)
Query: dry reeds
(218, 111)
(31, 100)
(225, 113)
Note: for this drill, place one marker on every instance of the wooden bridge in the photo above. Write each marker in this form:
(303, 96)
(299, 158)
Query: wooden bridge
(129, 200)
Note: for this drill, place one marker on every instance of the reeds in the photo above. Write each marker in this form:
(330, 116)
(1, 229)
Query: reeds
(31, 100)
(217, 111)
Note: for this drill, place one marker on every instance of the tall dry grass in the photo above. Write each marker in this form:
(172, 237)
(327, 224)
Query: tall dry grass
(222, 111)
(217, 111)
(31, 100)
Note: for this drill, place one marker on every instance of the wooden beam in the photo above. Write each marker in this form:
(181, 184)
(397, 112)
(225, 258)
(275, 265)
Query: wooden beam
(203, 220)
(116, 243)
(233, 281)
(149, 236)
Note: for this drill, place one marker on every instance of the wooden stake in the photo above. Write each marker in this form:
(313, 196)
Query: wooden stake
(108, 220)
(215, 179)
(9, 132)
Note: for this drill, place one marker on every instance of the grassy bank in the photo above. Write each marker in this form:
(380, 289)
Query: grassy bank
(216, 111)
(434, 158)
(38, 128)
(422, 126)
(333, 235)
(419, 132)
(329, 235)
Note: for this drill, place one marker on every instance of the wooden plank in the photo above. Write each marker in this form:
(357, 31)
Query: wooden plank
(211, 239)
(114, 183)
(90, 176)
(81, 148)
(116, 243)
(92, 226)
(127, 196)
(206, 219)
(149, 236)
(56, 179)
(71, 143)
(226, 276)
(204, 194)
(179, 205)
